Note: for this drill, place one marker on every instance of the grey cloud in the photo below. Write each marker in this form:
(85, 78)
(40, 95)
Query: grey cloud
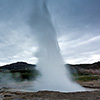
(81, 50)
(77, 21)
(70, 15)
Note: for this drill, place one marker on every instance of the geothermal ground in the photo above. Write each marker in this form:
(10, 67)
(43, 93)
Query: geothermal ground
(12, 90)
(92, 93)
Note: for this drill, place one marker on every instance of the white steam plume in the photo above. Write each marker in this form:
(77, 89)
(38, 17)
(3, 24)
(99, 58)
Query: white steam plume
(54, 75)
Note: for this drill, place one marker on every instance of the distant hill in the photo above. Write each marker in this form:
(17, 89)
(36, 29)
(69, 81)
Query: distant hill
(19, 71)
(95, 65)
(83, 68)
(87, 68)
(18, 66)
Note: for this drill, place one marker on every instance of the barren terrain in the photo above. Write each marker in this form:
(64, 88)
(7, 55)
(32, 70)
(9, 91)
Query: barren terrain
(91, 94)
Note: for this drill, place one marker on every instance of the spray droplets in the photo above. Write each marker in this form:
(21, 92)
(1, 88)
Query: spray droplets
(54, 75)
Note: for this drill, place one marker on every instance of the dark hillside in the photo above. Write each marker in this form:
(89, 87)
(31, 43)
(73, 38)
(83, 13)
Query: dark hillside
(20, 71)
(95, 65)
(87, 68)
(18, 66)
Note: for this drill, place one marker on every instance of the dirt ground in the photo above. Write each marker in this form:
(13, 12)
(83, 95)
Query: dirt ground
(50, 95)
(8, 94)
(90, 84)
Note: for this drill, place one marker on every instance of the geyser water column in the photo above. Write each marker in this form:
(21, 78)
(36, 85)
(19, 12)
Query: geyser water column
(54, 75)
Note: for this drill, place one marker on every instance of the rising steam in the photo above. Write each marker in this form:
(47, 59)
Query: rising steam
(54, 75)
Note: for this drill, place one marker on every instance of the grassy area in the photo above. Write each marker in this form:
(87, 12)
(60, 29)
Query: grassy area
(86, 77)
(20, 75)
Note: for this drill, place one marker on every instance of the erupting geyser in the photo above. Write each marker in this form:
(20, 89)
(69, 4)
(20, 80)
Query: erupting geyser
(54, 75)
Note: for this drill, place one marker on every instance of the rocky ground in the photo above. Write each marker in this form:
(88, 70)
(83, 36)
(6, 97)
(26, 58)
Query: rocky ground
(11, 91)
(94, 84)
(93, 94)
(49, 95)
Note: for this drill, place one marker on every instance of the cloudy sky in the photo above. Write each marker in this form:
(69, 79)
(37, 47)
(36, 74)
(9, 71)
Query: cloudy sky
(77, 23)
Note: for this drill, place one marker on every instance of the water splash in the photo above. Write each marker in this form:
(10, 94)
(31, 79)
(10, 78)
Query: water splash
(54, 75)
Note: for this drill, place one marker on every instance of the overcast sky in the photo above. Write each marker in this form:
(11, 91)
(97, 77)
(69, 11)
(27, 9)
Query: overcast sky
(77, 23)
